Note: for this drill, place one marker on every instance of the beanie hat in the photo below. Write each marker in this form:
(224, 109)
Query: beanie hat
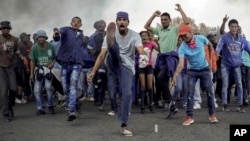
(122, 14)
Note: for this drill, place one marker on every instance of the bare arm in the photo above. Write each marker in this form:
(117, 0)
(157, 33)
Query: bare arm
(222, 27)
(150, 20)
(32, 67)
(179, 68)
(99, 61)
(184, 16)
(210, 49)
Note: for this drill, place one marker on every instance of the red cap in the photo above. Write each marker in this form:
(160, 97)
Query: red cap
(184, 29)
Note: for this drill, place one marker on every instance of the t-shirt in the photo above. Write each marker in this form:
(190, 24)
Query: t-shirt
(195, 56)
(8, 46)
(42, 57)
(167, 38)
(148, 48)
(127, 45)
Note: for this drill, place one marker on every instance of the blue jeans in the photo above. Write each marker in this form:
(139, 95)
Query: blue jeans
(205, 83)
(181, 85)
(225, 79)
(70, 75)
(112, 90)
(125, 77)
(38, 85)
(87, 88)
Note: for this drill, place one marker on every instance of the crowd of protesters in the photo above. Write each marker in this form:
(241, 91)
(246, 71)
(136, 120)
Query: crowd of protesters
(139, 68)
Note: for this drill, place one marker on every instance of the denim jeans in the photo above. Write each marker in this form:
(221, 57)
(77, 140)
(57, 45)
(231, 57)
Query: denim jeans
(112, 90)
(70, 75)
(245, 72)
(8, 86)
(87, 88)
(38, 85)
(197, 93)
(236, 71)
(205, 83)
(125, 77)
(181, 85)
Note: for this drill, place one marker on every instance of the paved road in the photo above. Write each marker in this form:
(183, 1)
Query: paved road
(93, 125)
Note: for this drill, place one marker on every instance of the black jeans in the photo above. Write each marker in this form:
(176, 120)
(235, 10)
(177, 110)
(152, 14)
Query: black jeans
(164, 80)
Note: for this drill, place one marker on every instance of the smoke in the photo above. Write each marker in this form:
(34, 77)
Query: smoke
(30, 15)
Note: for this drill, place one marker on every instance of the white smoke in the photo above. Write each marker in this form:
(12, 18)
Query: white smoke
(30, 15)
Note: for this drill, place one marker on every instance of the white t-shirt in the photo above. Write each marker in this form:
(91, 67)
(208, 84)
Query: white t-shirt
(127, 45)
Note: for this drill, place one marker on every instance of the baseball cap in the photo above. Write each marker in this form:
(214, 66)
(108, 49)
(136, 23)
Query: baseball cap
(41, 33)
(122, 14)
(23, 35)
(184, 29)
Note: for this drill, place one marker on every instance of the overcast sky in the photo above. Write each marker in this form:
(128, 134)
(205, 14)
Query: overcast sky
(32, 15)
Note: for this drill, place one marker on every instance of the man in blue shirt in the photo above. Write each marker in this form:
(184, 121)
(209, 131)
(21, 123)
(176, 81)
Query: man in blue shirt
(231, 45)
(70, 58)
(198, 68)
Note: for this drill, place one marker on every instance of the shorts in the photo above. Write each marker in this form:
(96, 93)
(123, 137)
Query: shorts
(146, 70)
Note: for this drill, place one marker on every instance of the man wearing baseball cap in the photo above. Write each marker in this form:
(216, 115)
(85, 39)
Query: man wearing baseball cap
(8, 55)
(198, 68)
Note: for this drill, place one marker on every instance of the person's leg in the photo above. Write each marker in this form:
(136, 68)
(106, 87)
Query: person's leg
(192, 78)
(177, 88)
(125, 80)
(244, 77)
(225, 82)
(247, 83)
(112, 90)
(206, 84)
(164, 80)
(39, 97)
(49, 91)
(238, 81)
(184, 90)
(83, 82)
(4, 100)
(142, 88)
(149, 80)
(197, 95)
(90, 89)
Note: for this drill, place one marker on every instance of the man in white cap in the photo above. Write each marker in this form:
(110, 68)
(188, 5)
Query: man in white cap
(42, 57)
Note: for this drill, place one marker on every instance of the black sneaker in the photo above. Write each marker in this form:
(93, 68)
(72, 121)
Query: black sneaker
(241, 109)
(173, 111)
(51, 110)
(40, 112)
(225, 108)
(165, 107)
(7, 119)
(71, 116)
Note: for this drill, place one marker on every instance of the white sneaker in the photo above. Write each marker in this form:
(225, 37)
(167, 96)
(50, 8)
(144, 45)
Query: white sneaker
(111, 113)
(197, 105)
(126, 132)
(24, 101)
(216, 105)
(83, 98)
(91, 99)
(18, 101)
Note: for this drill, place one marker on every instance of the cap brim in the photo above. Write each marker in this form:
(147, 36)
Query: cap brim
(182, 33)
